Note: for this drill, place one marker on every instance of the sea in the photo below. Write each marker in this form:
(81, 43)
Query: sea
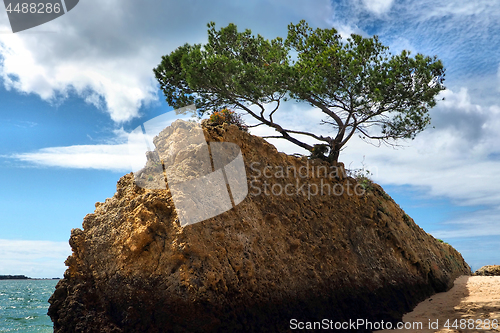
(24, 305)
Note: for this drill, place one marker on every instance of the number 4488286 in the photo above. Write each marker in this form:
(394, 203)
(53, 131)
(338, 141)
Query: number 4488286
(40, 8)
(479, 324)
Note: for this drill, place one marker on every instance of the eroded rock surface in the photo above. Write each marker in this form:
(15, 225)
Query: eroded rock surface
(489, 270)
(272, 258)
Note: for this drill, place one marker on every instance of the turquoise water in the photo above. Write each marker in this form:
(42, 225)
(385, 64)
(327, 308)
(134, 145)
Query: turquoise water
(24, 305)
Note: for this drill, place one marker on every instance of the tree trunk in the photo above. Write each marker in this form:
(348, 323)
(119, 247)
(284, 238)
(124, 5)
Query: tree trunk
(333, 156)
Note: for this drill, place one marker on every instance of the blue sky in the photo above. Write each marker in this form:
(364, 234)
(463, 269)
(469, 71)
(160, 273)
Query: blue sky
(71, 89)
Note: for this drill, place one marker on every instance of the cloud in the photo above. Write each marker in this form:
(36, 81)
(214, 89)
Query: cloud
(462, 34)
(104, 53)
(479, 223)
(459, 114)
(453, 159)
(33, 258)
(124, 152)
(378, 6)
(457, 8)
(102, 157)
(109, 83)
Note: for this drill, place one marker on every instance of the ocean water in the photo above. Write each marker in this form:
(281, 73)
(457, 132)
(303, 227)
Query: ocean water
(24, 305)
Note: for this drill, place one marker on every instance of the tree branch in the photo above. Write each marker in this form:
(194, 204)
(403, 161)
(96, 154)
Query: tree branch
(277, 127)
(326, 110)
(251, 126)
(319, 138)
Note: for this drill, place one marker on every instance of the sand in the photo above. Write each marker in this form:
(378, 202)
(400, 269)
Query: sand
(466, 307)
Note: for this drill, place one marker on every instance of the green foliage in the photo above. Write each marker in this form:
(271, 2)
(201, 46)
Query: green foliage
(360, 87)
(331, 71)
(319, 151)
(227, 116)
(150, 178)
(231, 68)
(441, 241)
(365, 182)
(407, 220)
(362, 177)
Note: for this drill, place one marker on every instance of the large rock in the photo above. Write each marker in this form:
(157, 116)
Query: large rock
(274, 257)
(489, 270)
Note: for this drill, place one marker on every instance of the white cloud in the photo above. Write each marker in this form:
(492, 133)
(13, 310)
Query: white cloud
(460, 100)
(345, 30)
(124, 153)
(452, 160)
(123, 87)
(458, 8)
(33, 258)
(482, 222)
(378, 6)
(105, 53)
(103, 157)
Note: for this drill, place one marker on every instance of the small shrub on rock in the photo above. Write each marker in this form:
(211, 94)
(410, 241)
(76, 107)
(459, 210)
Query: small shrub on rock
(229, 117)
(362, 176)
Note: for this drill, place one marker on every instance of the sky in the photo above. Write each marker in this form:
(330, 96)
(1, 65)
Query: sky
(71, 90)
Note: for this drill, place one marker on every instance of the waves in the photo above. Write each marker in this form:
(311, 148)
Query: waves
(24, 304)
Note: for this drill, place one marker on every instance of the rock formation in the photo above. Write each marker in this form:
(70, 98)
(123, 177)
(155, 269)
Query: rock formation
(489, 270)
(289, 250)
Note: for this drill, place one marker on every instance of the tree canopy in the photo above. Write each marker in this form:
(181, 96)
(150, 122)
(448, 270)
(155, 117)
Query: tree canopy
(359, 86)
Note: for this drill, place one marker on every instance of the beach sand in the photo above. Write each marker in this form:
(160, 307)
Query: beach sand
(472, 298)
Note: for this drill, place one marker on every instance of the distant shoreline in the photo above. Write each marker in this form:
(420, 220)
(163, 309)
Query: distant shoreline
(23, 277)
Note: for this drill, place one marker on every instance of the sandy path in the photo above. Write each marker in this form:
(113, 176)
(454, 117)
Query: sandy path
(471, 298)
